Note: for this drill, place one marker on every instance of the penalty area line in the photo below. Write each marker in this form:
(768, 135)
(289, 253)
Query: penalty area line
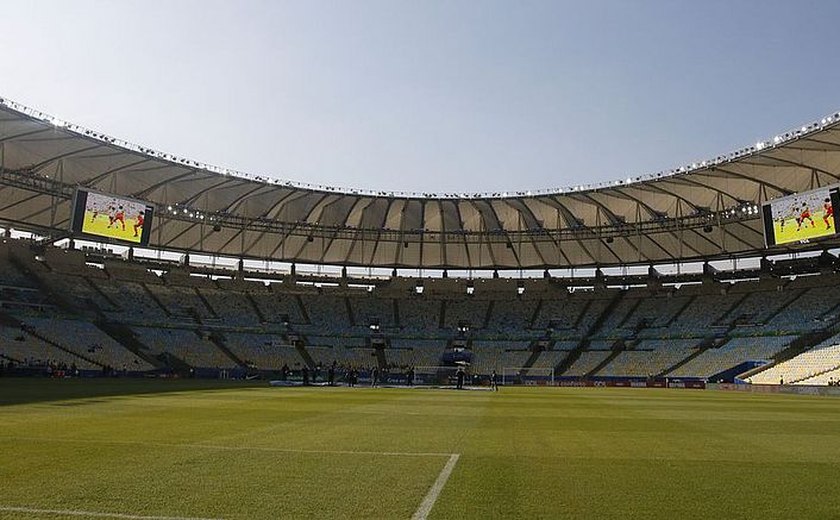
(217, 447)
(431, 497)
(93, 514)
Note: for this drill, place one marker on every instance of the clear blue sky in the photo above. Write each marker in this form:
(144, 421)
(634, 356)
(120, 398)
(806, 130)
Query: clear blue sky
(429, 96)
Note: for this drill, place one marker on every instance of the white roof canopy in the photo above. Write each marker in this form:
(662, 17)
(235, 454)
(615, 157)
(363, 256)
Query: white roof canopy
(663, 217)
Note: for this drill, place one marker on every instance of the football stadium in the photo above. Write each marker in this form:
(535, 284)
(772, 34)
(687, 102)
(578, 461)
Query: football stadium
(258, 351)
(183, 341)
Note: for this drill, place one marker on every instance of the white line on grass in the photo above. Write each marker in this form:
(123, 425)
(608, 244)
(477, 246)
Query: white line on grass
(421, 514)
(230, 448)
(432, 496)
(93, 514)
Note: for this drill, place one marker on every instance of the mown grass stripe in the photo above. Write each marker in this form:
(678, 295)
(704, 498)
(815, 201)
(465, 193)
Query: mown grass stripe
(93, 514)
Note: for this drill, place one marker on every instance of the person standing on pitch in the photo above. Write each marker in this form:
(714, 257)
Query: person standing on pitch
(374, 377)
(494, 381)
(460, 378)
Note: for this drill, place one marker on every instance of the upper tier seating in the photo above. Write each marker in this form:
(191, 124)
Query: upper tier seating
(419, 314)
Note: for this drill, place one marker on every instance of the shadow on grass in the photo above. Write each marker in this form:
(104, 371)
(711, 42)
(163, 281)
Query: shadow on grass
(80, 392)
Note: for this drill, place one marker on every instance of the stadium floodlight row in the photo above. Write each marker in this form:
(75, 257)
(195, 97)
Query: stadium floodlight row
(706, 211)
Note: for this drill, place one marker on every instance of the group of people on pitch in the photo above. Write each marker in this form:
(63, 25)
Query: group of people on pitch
(461, 376)
(351, 375)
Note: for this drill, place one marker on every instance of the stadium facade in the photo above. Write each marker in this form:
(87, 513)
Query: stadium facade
(96, 310)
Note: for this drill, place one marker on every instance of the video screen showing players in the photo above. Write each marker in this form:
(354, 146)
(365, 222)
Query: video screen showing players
(108, 216)
(801, 217)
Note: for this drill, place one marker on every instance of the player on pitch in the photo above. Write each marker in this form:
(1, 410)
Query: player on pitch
(806, 214)
(119, 216)
(138, 224)
(828, 212)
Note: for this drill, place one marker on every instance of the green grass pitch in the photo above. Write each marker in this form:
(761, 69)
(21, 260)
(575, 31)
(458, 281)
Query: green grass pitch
(193, 449)
(807, 231)
(99, 225)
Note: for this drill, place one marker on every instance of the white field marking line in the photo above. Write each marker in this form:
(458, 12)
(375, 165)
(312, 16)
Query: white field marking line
(432, 496)
(93, 514)
(230, 448)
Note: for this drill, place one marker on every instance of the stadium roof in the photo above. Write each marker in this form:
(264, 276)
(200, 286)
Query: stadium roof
(702, 211)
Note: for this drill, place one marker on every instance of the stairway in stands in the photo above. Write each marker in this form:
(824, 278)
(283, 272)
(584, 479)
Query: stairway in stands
(218, 339)
(536, 314)
(704, 345)
(380, 358)
(351, 316)
(790, 301)
(256, 308)
(681, 310)
(725, 319)
(488, 315)
(536, 351)
(574, 354)
(617, 348)
(102, 294)
(123, 335)
(214, 315)
(304, 354)
(303, 312)
(155, 299)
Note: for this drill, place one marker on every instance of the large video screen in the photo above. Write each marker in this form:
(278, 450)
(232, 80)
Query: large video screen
(110, 216)
(801, 217)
